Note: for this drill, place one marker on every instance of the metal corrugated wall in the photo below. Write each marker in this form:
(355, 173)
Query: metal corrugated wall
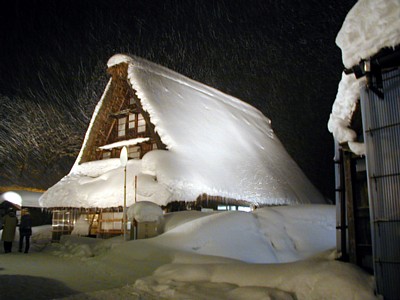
(381, 123)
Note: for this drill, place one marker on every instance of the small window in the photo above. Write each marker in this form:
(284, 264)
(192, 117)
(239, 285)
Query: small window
(132, 119)
(131, 101)
(141, 124)
(121, 126)
(244, 208)
(154, 146)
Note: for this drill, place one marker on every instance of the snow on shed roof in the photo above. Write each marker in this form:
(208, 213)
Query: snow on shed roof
(217, 144)
(370, 26)
(120, 144)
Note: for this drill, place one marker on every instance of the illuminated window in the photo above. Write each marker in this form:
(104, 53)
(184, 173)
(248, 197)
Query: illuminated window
(63, 222)
(141, 123)
(111, 221)
(131, 120)
(234, 207)
(244, 208)
(121, 126)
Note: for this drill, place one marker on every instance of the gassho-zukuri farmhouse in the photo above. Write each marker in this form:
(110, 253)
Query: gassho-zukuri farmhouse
(186, 143)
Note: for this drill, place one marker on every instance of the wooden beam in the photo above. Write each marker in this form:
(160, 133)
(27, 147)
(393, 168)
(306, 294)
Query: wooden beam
(350, 206)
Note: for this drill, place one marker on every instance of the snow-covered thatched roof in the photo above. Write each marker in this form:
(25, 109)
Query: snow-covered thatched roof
(370, 26)
(217, 145)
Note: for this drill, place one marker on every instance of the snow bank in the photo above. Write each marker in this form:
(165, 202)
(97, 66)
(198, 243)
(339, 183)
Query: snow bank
(369, 26)
(311, 279)
(145, 211)
(172, 220)
(170, 267)
(267, 235)
(302, 233)
(298, 232)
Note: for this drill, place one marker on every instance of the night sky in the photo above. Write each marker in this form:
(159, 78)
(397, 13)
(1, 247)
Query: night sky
(279, 56)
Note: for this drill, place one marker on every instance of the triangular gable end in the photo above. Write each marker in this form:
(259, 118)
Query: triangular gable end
(119, 121)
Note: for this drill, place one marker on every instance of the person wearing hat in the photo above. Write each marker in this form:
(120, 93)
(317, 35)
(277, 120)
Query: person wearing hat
(25, 230)
(9, 224)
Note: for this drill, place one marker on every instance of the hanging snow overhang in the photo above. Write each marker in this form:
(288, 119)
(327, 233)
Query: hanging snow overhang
(346, 103)
(361, 39)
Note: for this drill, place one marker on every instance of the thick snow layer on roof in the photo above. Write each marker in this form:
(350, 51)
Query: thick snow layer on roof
(216, 143)
(120, 144)
(370, 26)
(118, 59)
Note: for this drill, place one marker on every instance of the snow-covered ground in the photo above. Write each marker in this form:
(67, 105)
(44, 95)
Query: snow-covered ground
(283, 252)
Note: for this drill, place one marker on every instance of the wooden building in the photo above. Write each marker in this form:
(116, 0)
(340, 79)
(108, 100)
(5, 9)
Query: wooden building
(367, 186)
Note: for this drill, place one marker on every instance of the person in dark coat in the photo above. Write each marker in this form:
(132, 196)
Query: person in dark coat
(25, 230)
(10, 222)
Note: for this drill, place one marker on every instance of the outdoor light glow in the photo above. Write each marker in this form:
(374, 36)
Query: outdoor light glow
(11, 197)
(124, 157)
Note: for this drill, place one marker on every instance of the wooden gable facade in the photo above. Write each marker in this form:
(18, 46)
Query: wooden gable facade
(120, 118)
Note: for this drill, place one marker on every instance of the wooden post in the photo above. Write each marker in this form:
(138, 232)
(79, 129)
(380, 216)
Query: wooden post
(350, 206)
(135, 187)
(124, 214)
